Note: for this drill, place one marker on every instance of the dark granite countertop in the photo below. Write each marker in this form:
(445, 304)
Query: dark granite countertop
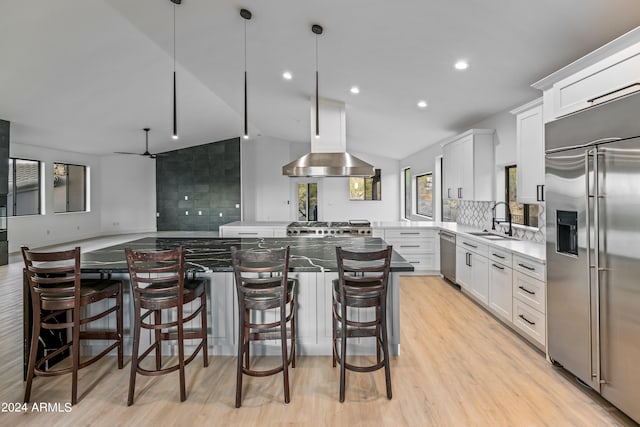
(307, 254)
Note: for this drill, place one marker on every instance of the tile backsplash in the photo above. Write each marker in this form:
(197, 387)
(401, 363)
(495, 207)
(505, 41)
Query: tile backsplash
(479, 215)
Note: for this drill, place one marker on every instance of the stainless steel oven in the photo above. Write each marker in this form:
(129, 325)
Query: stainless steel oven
(448, 256)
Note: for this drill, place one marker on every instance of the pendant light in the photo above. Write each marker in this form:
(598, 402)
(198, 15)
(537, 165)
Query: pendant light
(174, 135)
(317, 30)
(247, 16)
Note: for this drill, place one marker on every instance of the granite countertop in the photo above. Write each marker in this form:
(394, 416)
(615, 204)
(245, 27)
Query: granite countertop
(307, 254)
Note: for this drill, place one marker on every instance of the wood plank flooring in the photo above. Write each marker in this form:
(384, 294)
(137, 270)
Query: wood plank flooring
(458, 367)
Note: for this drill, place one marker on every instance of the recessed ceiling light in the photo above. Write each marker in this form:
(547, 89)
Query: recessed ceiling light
(355, 90)
(422, 104)
(287, 75)
(461, 65)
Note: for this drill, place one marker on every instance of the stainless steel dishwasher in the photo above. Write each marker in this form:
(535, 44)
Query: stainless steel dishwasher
(448, 256)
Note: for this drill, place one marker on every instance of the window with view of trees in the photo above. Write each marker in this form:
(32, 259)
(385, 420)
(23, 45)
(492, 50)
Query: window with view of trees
(23, 197)
(69, 188)
(369, 188)
(524, 214)
(424, 194)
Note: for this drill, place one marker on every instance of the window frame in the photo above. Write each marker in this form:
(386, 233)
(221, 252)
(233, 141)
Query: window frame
(408, 211)
(14, 202)
(85, 170)
(373, 182)
(417, 194)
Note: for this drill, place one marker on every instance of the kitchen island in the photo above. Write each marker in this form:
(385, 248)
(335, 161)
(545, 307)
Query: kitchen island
(312, 263)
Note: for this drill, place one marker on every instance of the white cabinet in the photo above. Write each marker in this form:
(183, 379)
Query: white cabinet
(530, 152)
(607, 72)
(419, 246)
(468, 165)
(472, 268)
(253, 229)
(500, 284)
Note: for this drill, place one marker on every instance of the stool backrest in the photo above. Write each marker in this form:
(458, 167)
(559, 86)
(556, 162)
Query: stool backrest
(56, 273)
(365, 267)
(156, 272)
(260, 271)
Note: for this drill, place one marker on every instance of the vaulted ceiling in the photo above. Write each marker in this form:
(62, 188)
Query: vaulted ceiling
(88, 75)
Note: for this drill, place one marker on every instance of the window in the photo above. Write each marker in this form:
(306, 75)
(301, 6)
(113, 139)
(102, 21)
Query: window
(524, 214)
(24, 187)
(308, 201)
(424, 194)
(407, 193)
(361, 188)
(69, 188)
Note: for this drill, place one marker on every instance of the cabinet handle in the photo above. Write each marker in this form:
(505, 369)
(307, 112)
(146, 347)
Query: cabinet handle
(526, 266)
(497, 256)
(468, 259)
(414, 262)
(469, 244)
(409, 246)
(448, 193)
(248, 234)
(459, 192)
(590, 101)
(540, 193)
(526, 320)
(497, 266)
(407, 233)
(526, 290)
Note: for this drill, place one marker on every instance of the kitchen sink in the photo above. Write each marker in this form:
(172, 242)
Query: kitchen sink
(490, 236)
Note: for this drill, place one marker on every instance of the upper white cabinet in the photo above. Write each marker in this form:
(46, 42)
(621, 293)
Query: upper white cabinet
(530, 152)
(606, 73)
(468, 165)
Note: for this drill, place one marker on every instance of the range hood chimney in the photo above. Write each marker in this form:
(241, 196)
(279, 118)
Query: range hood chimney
(328, 156)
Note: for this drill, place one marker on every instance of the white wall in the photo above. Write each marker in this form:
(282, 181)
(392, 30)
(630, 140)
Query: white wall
(270, 196)
(129, 180)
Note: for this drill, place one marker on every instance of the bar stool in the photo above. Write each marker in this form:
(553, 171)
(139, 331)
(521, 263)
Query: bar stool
(362, 283)
(262, 284)
(158, 284)
(59, 302)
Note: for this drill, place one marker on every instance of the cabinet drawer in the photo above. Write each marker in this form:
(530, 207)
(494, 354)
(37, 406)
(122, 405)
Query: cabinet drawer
(472, 245)
(422, 261)
(530, 291)
(408, 246)
(396, 234)
(502, 256)
(529, 267)
(529, 321)
(248, 232)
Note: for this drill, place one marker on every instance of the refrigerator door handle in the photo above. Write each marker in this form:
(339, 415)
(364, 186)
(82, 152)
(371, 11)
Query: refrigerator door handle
(590, 196)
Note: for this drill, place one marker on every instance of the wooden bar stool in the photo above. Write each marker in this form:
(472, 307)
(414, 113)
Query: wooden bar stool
(262, 284)
(59, 299)
(362, 283)
(158, 284)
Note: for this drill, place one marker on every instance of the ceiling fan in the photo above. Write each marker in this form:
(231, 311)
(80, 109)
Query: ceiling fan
(146, 147)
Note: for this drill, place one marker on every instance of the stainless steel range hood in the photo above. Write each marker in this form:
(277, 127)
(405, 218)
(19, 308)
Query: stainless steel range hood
(328, 156)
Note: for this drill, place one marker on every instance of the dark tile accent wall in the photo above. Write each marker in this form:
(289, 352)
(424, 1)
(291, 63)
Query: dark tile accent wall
(209, 176)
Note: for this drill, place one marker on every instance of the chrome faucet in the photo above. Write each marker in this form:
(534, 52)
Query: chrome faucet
(495, 221)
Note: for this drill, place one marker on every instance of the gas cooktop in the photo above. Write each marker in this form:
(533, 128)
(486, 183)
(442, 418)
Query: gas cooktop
(325, 228)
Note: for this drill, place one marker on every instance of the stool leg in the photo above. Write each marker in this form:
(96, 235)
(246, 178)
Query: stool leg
(334, 335)
(343, 348)
(119, 326)
(283, 345)
(241, 350)
(385, 347)
(157, 316)
(33, 352)
(203, 318)
(134, 354)
(183, 388)
(378, 334)
(293, 331)
(247, 338)
(76, 353)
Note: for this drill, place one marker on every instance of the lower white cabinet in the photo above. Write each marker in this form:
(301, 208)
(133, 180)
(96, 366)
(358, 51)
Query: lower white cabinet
(252, 231)
(419, 246)
(530, 322)
(472, 269)
(500, 290)
(530, 300)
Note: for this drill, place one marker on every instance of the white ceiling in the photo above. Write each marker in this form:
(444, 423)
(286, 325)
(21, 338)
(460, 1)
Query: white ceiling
(88, 75)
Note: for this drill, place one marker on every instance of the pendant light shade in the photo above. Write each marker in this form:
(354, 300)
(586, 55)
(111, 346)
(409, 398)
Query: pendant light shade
(317, 30)
(174, 134)
(246, 15)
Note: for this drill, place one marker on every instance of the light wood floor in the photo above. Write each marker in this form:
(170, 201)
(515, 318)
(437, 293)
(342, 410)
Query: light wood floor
(458, 367)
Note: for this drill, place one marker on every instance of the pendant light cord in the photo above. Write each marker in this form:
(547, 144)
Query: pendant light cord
(317, 98)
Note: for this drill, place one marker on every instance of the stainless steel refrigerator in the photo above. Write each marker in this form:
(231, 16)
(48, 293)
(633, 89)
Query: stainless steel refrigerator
(593, 248)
